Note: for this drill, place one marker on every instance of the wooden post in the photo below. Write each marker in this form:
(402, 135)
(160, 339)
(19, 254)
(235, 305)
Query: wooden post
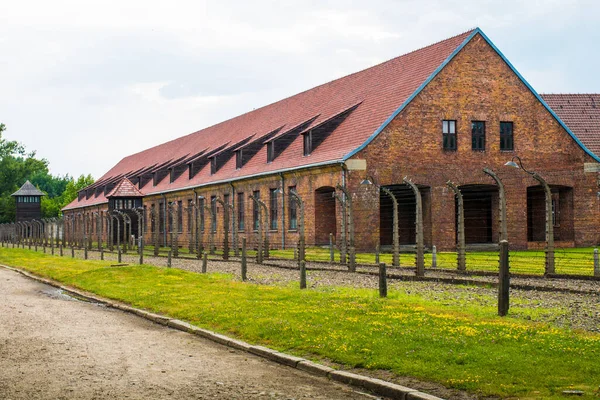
(44, 247)
(382, 280)
(204, 262)
(302, 274)
(169, 255)
(85, 252)
(377, 254)
(434, 257)
(596, 264)
(141, 249)
(119, 254)
(72, 251)
(60, 249)
(503, 280)
(102, 253)
(244, 264)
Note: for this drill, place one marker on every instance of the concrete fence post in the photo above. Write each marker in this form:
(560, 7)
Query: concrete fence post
(433, 257)
(102, 253)
(204, 262)
(331, 254)
(169, 260)
(461, 262)
(596, 264)
(382, 280)
(377, 254)
(85, 251)
(244, 262)
(503, 280)
(419, 259)
(60, 249)
(72, 251)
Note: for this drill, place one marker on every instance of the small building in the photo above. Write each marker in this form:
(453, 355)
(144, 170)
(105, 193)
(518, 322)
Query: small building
(29, 202)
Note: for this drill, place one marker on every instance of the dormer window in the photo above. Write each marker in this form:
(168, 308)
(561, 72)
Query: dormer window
(307, 143)
(213, 165)
(239, 159)
(270, 151)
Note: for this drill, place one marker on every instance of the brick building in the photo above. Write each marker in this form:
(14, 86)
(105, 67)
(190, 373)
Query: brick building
(441, 113)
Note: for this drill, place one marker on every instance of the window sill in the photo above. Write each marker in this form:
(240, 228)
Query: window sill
(292, 230)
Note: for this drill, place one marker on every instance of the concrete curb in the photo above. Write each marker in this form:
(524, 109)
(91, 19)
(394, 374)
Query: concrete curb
(377, 386)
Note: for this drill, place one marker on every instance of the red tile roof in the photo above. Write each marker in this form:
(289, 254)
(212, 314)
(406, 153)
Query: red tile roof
(125, 188)
(581, 114)
(377, 92)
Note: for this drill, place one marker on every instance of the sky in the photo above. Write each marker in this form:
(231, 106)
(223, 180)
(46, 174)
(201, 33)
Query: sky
(86, 83)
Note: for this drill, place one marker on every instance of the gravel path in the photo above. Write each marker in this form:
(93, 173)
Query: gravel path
(54, 347)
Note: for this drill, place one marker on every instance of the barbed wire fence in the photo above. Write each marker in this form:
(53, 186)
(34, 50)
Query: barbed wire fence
(334, 226)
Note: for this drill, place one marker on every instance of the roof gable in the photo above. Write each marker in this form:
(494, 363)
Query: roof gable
(28, 190)
(125, 188)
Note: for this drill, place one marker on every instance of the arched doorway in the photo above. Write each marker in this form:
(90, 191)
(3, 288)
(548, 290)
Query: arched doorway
(562, 213)
(480, 204)
(325, 215)
(407, 209)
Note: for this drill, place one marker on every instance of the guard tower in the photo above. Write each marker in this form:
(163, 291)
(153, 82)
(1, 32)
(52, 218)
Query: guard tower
(29, 205)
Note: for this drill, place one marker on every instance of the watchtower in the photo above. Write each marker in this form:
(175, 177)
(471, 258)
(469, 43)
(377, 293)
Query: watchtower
(29, 205)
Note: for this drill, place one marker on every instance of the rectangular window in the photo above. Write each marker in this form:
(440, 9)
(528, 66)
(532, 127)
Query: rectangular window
(145, 216)
(555, 212)
(449, 134)
(255, 210)
(161, 217)
(241, 211)
(506, 136)
(201, 207)
(180, 216)
(273, 208)
(270, 151)
(293, 207)
(170, 217)
(152, 218)
(307, 143)
(478, 135)
(190, 215)
(213, 208)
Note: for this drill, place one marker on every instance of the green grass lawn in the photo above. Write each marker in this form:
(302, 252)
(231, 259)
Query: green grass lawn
(462, 346)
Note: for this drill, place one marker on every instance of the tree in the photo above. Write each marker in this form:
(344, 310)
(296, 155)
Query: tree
(17, 166)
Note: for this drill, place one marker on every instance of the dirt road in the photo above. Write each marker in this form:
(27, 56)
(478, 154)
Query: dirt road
(55, 347)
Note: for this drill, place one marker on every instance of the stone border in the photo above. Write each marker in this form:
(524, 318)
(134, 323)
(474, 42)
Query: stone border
(377, 386)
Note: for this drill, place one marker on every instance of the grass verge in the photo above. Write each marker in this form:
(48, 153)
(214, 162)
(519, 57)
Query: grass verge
(465, 348)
